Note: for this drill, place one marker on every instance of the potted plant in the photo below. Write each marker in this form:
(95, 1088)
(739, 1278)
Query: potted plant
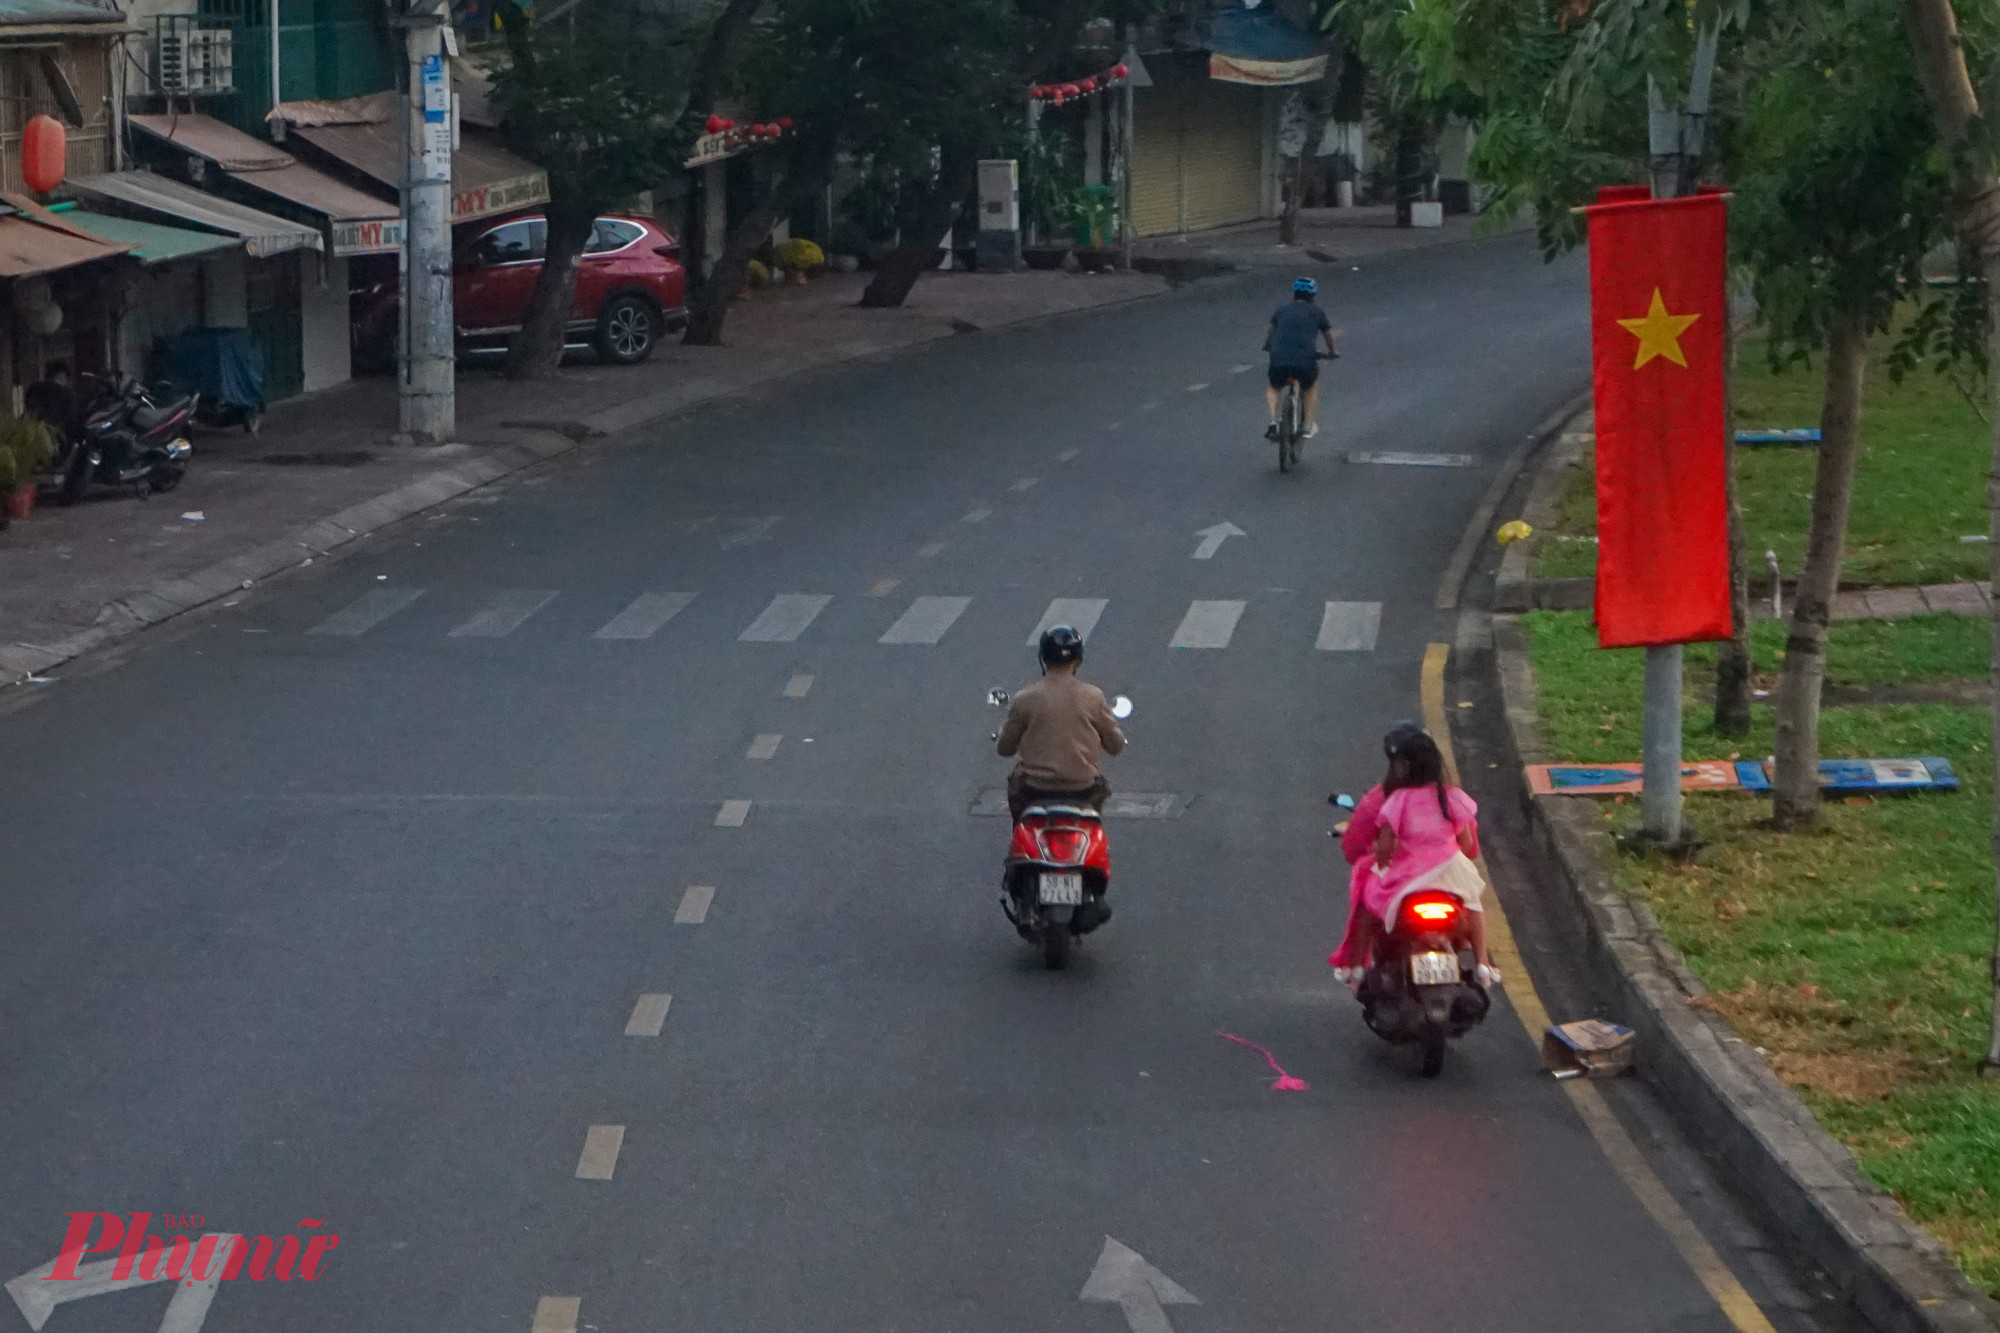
(1048, 200)
(25, 447)
(799, 258)
(1097, 229)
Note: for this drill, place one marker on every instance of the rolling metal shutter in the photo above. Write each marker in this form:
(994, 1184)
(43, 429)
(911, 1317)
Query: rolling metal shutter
(1156, 161)
(1197, 156)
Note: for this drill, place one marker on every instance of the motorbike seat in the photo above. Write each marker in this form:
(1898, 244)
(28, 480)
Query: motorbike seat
(148, 415)
(1060, 810)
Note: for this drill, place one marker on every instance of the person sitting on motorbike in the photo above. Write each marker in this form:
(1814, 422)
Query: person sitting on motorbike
(1057, 727)
(1413, 831)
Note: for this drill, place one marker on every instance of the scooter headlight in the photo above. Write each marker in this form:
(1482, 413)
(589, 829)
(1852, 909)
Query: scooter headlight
(179, 450)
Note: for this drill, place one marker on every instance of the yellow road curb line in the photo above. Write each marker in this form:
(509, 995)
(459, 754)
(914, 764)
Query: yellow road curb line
(1604, 1126)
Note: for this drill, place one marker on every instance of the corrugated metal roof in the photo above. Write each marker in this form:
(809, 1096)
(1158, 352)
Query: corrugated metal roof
(151, 243)
(27, 248)
(263, 235)
(485, 177)
(19, 12)
(263, 166)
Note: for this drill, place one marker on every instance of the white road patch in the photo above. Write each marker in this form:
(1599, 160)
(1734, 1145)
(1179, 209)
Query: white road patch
(785, 618)
(883, 587)
(1079, 613)
(649, 1015)
(1208, 625)
(1067, 454)
(366, 611)
(927, 620)
(506, 613)
(694, 905)
(764, 746)
(643, 619)
(557, 1314)
(1024, 484)
(798, 687)
(1397, 458)
(1349, 627)
(979, 515)
(732, 814)
(929, 549)
(600, 1152)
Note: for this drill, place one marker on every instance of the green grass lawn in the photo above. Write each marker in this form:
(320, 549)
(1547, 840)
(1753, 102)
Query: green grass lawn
(1854, 955)
(1919, 486)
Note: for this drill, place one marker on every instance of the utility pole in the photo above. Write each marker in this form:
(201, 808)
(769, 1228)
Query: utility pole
(428, 389)
(1674, 144)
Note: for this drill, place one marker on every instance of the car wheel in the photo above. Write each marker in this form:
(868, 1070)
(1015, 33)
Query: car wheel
(627, 328)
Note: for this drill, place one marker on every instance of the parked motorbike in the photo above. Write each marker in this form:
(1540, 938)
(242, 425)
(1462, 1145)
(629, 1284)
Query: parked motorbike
(130, 435)
(1421, 989)
(1057, 869)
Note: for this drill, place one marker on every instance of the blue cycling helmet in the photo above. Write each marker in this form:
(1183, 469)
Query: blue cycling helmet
(1304, 287)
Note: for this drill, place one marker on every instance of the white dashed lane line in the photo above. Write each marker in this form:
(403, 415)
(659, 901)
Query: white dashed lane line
(1208, 625)
(732, 814)
(1067, 454)
(649, 1015)
(785, 618)
(765, 746)
(929, 549)
(979, 515)
(1197, 388)
(557, 1314)
(1349, 627)
(600, 1152)
(504, 614)
(927, 620)
(798, 687)
(643, 619)
(694, 905)
(883, 587)
(367, 611)
(1079, 613)
(1024, 484)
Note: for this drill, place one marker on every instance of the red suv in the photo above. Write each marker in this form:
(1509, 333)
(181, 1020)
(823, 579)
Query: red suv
(629, 287)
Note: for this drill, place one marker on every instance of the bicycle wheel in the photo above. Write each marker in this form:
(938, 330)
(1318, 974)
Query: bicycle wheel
(1288, 426)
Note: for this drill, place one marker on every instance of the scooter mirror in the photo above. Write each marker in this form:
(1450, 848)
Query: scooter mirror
(1344, 801)
(998, 698)
(1121, 708)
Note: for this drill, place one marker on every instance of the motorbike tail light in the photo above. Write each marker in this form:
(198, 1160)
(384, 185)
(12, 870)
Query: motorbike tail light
(1430, 911)
(1065, 845)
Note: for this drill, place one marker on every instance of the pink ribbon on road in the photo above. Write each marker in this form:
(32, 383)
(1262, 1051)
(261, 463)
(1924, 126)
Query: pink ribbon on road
(1284, 1082)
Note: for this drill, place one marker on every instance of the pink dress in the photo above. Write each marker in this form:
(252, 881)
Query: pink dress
(1425, 840)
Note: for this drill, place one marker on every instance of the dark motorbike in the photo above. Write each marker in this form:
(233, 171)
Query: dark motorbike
(128, 436)
(1422, 988)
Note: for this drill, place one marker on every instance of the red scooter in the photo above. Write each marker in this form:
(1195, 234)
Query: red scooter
(1058, 868)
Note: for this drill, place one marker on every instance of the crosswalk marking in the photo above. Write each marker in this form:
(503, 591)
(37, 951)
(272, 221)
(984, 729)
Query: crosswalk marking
(1079, 613)
(642, 619)
(926, 620)
(785, 618)
(1349, 627)
(694, 905)
(504, 614)
(366, 611)
(1208, 625)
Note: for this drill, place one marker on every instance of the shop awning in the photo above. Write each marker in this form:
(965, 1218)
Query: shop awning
(359, 223)
(28, 247)
(1262, 48)
(485, 177)
(20, 19)
(164, 197)
(151, 243)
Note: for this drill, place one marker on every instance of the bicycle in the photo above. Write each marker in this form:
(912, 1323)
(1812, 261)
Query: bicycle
(1291, 421)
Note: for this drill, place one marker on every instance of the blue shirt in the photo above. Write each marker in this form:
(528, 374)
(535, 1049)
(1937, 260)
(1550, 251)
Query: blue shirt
(1295, 331)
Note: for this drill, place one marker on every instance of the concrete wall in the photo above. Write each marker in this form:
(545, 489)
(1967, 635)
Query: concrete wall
(323, 320)
(159, 303)
(225, 291)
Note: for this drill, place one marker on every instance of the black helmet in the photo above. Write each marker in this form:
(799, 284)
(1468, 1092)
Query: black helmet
(1060, 644)
(1399, 736)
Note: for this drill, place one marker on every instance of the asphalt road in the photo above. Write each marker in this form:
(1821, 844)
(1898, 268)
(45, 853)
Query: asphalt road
(338, 903)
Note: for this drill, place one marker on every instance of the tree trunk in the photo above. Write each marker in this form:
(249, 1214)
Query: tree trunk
(1409, 167)
(1795, 786)
(898, 271)
(536, 348)
(1288, 220)
(708, 308)
(1940, 59)
(1733, 663)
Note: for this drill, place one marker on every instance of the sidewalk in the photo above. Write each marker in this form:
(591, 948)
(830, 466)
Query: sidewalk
(1326, 236)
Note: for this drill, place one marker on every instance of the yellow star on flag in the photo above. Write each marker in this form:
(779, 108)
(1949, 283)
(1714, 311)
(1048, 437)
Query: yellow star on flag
(1659, 333)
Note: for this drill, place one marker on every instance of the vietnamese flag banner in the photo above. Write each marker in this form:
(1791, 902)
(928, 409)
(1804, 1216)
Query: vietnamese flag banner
(1657, 309)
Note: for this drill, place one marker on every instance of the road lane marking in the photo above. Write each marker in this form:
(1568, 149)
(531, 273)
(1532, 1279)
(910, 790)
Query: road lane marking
(883, 587)
(1067, 454)
(1612, 1139)
(1213, 537)
(649, 1015)
(732, 814)
(366, 611)
(694, 905)
(600, 1152)
(1079, 613)
(798, 687)
(1147, 407)
(557, 1314)
(929, 549)
(1349, 627)
(1024, 485)
(749, 531)
(765, 746)
(643, 619)
(1397, 458)
(1238, 370)
(1197, 388)
(927, 620)
(1208, 625)
(977, 516)
(504, 614)
(785, 618)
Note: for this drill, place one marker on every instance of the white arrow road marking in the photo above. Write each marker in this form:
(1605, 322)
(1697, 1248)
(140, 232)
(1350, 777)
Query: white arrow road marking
(1123, 1278)
(36, 1296)
(1213, 538)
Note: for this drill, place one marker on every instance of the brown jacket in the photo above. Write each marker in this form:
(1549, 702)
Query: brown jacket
(1057, 726)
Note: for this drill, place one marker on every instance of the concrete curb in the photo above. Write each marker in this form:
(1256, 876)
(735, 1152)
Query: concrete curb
(1895, 1276)
(1514, 586)
(20, 662)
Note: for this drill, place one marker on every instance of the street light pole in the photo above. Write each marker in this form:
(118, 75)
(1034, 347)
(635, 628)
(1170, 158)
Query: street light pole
(428, 389)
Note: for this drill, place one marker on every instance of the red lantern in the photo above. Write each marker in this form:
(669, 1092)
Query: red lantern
(728, 124)
(712, 125)
(784, 122)
(1071, 90)
(42, 154)
(1119, 71)
(1090, 85)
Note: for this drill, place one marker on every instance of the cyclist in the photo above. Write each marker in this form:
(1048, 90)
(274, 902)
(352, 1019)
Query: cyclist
(1290, 341)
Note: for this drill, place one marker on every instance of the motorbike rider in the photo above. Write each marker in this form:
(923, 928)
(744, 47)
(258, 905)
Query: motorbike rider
(1056, 728)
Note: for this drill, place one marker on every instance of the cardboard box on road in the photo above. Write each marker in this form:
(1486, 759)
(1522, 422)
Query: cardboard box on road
(1588, 1048)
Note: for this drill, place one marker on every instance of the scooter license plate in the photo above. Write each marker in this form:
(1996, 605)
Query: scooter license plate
(1062, 890)
(1433, 969)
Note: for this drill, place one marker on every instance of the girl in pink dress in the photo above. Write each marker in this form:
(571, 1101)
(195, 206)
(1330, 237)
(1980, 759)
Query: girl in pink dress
(1414, 831)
